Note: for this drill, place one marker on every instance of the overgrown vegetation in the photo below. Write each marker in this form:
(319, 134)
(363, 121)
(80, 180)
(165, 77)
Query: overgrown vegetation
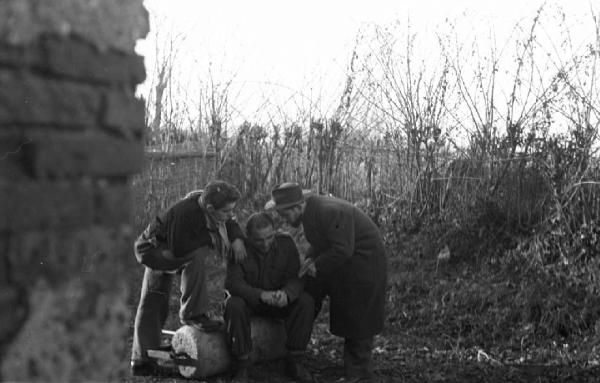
(480, 168)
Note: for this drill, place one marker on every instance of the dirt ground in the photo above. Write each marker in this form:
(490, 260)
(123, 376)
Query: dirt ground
(412, 354)
(400, 358)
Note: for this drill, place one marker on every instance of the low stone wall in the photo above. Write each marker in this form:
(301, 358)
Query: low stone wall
(71, 136)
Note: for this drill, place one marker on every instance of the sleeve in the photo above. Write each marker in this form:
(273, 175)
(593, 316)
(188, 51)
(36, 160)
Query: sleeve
(234, 231)
(186, 231)
(151, 252)
(237, 285)
(338, 227)
(293, 285)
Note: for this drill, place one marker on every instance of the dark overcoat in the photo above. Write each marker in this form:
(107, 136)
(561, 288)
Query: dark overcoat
(350, 260)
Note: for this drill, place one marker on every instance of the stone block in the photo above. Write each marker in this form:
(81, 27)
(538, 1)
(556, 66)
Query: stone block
(116, 24)
(78, 59)
(112, 203)
(73, 58)
(5, 277)
(56, 254)
(113, 157)
(124, 114)
(27, 99)
(11, 320)
(20, 56)
(45, 205)
(74, 332)
(50, 155)
(11, 150)
(77, 312)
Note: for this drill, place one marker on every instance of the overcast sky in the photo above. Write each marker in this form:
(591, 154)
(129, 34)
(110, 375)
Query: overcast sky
(305, 45)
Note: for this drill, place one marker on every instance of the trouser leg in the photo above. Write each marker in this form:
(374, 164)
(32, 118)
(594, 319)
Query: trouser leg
(237, 322)
(151, 314)
(317, 289)
(194, 294)
(299, 322)
(357, 357)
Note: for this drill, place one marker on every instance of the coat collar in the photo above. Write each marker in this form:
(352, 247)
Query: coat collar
(211, 224)
(257, 254)
(309, 217)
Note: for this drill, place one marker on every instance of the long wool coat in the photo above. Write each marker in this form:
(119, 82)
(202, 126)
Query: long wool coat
(350, 259)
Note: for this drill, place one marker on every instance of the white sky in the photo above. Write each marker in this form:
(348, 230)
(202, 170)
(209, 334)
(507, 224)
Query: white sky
(305, 45)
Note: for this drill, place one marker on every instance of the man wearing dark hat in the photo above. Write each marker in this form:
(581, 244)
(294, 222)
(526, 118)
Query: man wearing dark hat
(178, 241)
(266, 283)
(347, 262)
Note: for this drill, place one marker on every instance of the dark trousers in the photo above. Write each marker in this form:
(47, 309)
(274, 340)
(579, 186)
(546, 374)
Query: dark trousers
(298, 318)
(357, 351)
(357, 357)
(153, 309)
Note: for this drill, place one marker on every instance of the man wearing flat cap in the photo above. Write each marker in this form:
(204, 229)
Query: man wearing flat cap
(347, 262)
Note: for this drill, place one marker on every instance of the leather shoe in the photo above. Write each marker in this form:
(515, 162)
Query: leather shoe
(149, 368)
(143, 368)
(241, 375)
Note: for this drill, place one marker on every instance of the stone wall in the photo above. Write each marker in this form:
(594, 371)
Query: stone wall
(71, 136)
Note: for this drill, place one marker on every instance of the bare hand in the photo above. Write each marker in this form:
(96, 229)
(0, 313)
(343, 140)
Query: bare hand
(281, 298)
(308, 267)
(168, 254)
(239, 250)
(268, 297)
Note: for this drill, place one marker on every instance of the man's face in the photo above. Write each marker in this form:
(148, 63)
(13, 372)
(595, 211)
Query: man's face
(262, 238)
(292, 215)
(224, 213)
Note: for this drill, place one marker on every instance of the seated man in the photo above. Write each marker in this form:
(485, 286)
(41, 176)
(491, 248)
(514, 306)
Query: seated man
(266, 283)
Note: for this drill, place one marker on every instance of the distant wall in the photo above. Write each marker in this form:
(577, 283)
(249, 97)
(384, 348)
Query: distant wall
(71, 136)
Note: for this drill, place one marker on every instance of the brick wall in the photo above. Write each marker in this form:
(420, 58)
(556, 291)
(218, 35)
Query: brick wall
(71, 134)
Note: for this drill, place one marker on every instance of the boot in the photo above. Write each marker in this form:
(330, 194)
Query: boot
(241, 375)
(149, 368)
(296, 370)
(242, 370)
(143, 368)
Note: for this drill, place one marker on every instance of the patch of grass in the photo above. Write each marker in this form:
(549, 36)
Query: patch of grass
(487, 296)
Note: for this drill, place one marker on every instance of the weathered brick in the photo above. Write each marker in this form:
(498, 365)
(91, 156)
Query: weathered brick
(20, 56)
(106, 23)
(45, 205)
(72, 58)
(124, 114)
(13, 300)
(83, 61)
(56, 254)
(112, 203)
(11, 151)
(30, 99)
(11, 171)
(83, 309)
(5, 275)
(63, 155)
(58, 61)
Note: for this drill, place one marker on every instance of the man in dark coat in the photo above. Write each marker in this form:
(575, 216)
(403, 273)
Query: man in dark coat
(347, 262)
(266, 283)
(179, 241)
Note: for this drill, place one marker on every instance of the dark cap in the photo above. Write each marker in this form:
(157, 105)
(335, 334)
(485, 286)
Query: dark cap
(286, 195)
